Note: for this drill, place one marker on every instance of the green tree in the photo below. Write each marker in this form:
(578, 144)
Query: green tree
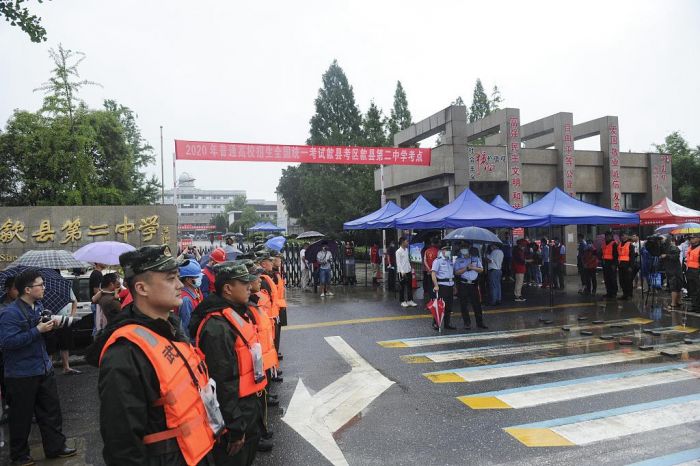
(248, 218)
(323, 196)
(220, 222)
(685, 169)
(66, 154)
(400, 116)
(373, 127)
(496, 100)
(480, 103)
(18, 15)
(236, 204)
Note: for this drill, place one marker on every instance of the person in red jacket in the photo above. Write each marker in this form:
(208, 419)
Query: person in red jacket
(519, 268)
(217, 256)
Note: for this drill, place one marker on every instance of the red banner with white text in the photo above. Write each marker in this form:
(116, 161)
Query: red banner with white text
(235, 152)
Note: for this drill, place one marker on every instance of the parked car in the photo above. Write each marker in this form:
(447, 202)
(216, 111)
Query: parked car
(82, 330)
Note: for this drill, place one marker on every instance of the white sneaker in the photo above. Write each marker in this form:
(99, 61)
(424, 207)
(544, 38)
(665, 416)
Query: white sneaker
(328, 293)
(323, 295)
(404, 304)
(412, 304)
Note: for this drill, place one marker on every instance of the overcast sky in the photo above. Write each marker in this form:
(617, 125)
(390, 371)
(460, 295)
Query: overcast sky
(250, 71)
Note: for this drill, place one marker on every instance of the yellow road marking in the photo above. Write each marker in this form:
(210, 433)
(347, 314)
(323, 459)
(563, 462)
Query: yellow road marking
(534, 437)
(682, 329)
(483, 402)
(444, 377)
(369, 320)
(410, 359)
(640, 320)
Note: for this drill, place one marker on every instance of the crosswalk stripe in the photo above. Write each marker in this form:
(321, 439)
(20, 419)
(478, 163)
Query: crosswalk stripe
(685, 457)
(609, 424)
(538, 366)
(502, 350)
(536, 395)
(485, 336)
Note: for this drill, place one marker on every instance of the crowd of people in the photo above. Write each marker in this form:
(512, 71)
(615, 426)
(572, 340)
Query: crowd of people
(188, 357)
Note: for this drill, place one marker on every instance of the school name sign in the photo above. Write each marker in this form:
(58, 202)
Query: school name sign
(71, 227)
(354, 155)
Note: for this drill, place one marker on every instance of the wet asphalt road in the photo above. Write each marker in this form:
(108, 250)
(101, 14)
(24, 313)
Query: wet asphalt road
(417, 421)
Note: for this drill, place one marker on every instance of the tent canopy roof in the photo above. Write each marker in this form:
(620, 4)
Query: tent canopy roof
(362, 223)
(501, 203)
(265, 226)
(420, 206)
(561, 209)
(666, 211)
(469, 210)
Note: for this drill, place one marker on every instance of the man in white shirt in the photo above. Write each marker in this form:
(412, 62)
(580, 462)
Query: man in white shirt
(304, 267)
(403, 268)
(495, 262)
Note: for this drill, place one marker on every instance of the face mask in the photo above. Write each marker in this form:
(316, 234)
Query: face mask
(198, 281)
(464, 252)
(446, 254)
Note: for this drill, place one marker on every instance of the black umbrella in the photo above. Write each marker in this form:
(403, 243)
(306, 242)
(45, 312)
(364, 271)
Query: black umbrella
(57, 292)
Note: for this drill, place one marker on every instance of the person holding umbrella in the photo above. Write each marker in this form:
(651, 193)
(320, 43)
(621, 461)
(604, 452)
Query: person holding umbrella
(467, 268)
(443, 282)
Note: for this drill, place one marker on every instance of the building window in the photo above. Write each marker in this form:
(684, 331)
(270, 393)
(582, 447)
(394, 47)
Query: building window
(529, 198)
(632, 202)
(591, 198)
(185, 196)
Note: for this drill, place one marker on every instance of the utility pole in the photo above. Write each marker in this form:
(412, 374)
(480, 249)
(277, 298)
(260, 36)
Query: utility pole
(162, 169)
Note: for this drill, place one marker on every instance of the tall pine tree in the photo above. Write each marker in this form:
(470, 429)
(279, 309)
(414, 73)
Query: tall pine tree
(496, 99)
(373, 127)
(400, 116)
(323, 196)
(480, 103)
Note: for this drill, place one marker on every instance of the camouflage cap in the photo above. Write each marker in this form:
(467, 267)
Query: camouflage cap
(233, 271)
(247, 255)
(248, 263)
(149, 259)
(262, 255)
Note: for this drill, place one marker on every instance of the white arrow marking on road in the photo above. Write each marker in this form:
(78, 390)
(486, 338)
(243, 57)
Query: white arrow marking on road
(317, 417)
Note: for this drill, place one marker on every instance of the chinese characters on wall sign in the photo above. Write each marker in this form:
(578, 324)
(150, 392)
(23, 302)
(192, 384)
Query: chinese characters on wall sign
(569, 161)
(481, 164)
(660, 174)
(515, 176)
(615, 187)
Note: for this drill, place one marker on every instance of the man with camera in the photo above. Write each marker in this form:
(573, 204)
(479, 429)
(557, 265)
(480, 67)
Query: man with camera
(29, 375)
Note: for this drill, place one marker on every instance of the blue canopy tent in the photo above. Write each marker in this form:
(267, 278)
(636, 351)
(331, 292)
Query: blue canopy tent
(265, 226)
(558, 208)
(418, 207)
(501, 203)
(362, 223)
(469, 210)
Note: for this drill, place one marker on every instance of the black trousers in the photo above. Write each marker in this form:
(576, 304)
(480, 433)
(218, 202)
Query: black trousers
(36, 395)
(244, 457)
(590, 283)
(428, 292)
(405, 289)
(278, 334)
(626, 276)
(447, 295)
(610, 279)
(692, 277)
(391, 272)
(470, 294)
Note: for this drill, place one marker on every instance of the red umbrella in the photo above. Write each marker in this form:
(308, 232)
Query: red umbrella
(437, 309)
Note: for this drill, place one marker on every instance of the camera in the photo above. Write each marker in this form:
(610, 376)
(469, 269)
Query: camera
(59, 321)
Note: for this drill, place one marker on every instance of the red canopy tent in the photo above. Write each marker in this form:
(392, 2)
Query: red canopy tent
(666, 211)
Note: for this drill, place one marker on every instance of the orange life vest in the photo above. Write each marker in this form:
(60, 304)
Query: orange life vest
(623, 252)
(692, 257)
(185, 414)
(247, 336)
(274, 296)
(212, 278)
(608, 250)
(281, 291)
(264, 301)
(266, 334)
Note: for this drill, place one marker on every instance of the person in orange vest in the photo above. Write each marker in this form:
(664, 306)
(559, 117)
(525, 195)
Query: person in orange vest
(281, 293)
(225, 332)
(609, 255)
(217, 256)
(270, 285)
(626, 258)
(692, 273)
(259, 307)
(157, 404)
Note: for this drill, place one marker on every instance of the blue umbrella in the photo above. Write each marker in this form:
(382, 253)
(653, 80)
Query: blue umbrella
(474, 234)
(276, 243)
(57, 292)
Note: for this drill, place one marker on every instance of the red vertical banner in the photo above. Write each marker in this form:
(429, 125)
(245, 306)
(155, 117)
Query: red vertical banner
(238, 152)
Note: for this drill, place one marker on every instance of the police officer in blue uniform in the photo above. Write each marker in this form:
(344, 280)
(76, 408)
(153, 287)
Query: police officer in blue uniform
(443, 282)
(467, 269)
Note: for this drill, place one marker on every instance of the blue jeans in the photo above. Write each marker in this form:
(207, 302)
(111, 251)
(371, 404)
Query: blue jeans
(325, 276)
(495, 285)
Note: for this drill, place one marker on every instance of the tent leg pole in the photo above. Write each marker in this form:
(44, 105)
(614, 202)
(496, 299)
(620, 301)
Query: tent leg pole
(551, 289)
(383, 202)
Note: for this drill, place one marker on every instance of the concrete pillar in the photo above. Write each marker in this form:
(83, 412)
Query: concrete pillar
(564, 144)
(610, 145)
(659, 177)
(571, 233)
(511, 129)
(457, 128)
